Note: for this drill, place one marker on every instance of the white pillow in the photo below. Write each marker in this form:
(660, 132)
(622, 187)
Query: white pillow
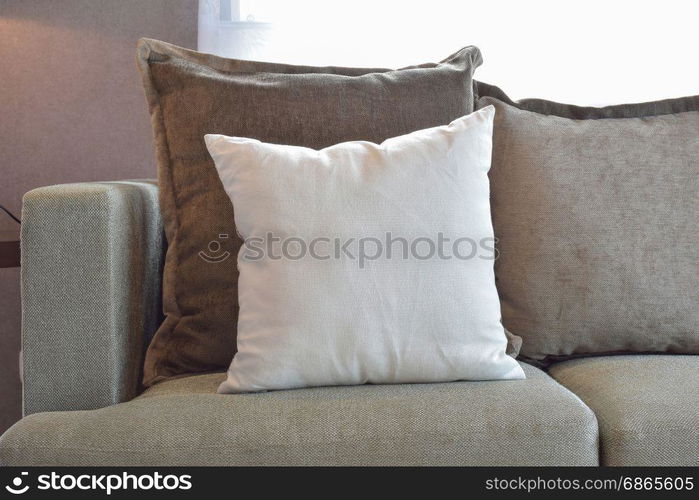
(325, 316)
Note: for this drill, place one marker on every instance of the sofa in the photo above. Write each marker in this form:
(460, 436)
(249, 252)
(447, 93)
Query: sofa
(127, 329)
(92, 256)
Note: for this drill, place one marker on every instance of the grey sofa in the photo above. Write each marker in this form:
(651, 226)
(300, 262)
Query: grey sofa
(91, 264)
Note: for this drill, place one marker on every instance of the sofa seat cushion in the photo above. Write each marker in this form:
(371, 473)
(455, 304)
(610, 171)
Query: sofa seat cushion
(647, 406)
(184, 422)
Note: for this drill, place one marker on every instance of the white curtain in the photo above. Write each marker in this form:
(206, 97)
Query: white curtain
(226, 30)
(590, 52)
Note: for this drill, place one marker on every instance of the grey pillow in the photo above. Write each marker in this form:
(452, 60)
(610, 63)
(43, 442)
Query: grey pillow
(191, 94)
(635, 110)
(596, 221)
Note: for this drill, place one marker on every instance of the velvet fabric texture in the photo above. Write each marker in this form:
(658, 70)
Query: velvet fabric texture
(596, 225)
(191, 94)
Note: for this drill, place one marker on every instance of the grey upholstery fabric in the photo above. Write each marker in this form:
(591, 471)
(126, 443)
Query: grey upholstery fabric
(647, 406)
(183, 422)
(596, 222)
(91, 256)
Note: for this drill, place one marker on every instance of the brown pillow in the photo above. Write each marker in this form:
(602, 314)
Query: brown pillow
(278, 103)
(595, 211)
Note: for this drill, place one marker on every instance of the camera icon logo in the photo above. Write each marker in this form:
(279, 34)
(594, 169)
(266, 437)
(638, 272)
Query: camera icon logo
(214, 254)
(16, 487)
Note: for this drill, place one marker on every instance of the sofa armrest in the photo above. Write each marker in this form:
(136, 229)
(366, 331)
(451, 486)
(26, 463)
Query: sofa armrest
(91, 270)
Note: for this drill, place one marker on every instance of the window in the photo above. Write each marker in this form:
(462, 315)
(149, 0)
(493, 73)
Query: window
(588, 53)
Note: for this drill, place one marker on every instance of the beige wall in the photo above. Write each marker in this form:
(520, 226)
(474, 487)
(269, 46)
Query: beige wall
(71, 109)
